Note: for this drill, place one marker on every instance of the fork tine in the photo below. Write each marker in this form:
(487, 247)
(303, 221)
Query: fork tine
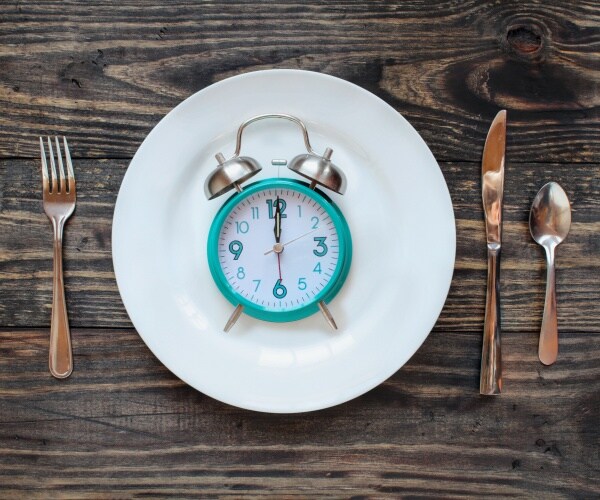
(45, 179)
(61, 168)
(55, 187)
(70, 173)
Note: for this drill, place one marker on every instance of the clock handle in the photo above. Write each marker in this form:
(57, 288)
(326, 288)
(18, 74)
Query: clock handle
(231, 172)
(300, 123)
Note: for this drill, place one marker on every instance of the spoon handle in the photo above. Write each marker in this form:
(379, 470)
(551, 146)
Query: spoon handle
(548, 348)
(490, 378)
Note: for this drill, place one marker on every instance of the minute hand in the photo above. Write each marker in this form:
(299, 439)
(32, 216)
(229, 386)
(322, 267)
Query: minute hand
(291, 241)
(277, 228)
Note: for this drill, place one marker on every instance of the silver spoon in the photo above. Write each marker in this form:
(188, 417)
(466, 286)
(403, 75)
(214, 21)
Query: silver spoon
(549, 223)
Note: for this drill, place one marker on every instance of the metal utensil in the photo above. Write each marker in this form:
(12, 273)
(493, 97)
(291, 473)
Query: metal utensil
(492, 189)
(59, 202)
(549, 223)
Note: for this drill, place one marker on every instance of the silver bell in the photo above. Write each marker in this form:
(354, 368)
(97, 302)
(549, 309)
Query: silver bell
(320, 170)
(229, 174)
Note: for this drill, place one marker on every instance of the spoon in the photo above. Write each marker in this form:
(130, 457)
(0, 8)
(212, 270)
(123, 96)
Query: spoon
(549, 223)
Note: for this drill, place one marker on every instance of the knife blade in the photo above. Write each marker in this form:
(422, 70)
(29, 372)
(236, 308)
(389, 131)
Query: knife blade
(492, 191)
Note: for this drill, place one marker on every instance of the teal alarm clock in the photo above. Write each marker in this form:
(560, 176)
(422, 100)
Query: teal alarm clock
(278, 249)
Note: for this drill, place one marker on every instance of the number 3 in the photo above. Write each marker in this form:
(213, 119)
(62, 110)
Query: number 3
(321, 245)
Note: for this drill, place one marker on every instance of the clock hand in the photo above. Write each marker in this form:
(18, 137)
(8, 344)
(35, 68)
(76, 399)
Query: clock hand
(281, 246)
(279, 266)
(277, 228)
(277, 231)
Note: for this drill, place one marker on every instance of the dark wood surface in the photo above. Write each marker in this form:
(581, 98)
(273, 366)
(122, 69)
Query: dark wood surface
(104, 73)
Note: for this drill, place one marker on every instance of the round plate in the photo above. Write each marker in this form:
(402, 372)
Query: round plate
(397, 206)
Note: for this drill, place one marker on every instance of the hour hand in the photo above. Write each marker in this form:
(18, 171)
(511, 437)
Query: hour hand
(277, 228)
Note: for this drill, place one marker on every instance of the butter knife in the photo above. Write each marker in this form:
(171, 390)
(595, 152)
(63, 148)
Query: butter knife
(492, 189)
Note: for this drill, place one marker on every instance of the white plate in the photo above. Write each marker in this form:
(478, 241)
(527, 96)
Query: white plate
(400, 216)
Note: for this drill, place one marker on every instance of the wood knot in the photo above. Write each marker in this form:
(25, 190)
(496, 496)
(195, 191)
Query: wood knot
(525, 40)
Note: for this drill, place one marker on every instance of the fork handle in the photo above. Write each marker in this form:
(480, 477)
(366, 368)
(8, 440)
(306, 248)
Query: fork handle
(61, 356)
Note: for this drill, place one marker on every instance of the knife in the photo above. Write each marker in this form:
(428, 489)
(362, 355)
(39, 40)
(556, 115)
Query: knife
(492, 189)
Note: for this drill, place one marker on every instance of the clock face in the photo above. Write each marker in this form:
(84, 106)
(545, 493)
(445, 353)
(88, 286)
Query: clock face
(279, 248)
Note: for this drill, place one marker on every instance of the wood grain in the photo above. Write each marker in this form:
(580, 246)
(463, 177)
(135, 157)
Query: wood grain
(104, 73)
(143, 430)
(92, 295)
(425, 431)
(122, 426)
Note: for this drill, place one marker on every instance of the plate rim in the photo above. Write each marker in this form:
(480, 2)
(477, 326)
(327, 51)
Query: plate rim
(358, 390)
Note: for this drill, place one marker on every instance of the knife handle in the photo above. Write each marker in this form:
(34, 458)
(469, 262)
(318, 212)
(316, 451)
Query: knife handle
(490, 381)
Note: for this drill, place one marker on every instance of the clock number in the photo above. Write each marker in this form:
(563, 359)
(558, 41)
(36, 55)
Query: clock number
(254, 212)
(279, 291)
(257, 284)
(299, 210)
(321, 246)
(272, 206)
(236, 247)
(315, 221)
(317, 268)
(301, 283)
(241, 274)
(242, 227)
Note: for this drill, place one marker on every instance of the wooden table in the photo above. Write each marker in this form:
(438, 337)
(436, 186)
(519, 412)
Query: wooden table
(104, 73)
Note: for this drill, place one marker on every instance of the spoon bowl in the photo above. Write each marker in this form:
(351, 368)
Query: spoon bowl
(550, 216)
(549, 223)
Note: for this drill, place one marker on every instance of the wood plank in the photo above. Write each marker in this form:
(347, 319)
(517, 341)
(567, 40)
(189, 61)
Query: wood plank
(92, 295)
(122, 424)
(104, 73)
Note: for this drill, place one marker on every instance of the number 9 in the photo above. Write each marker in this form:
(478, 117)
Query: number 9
(236, 247)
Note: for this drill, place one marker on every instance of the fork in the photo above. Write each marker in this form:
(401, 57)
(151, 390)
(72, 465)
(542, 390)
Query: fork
(59, 203)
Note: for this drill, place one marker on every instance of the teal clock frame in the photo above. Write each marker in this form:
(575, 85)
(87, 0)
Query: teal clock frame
(327, 294)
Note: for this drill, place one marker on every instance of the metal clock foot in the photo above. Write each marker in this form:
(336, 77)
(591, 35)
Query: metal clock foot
(327, 314)
(233, 318)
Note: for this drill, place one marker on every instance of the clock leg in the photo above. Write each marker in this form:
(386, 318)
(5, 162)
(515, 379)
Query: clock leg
(233, 318)
(327, 314)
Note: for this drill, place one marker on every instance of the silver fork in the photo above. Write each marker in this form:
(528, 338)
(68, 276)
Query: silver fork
(59, 203)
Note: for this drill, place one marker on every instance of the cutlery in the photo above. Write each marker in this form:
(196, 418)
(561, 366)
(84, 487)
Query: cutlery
(59, 202)
(492, 188)
(549, 223)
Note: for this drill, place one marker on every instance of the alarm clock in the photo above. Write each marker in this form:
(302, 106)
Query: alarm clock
(278, 249)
